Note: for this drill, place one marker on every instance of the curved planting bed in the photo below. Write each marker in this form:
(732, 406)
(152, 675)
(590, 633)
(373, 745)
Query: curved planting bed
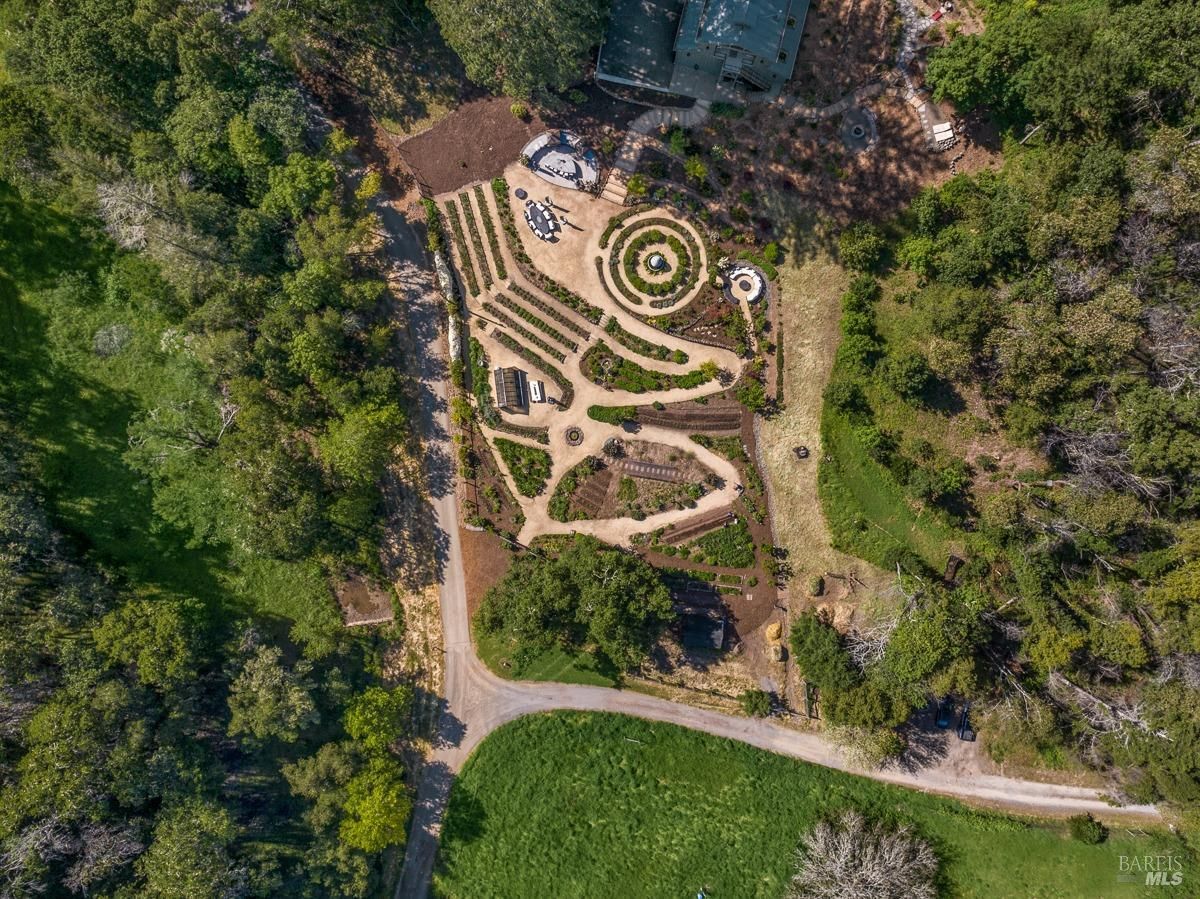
(635, 244)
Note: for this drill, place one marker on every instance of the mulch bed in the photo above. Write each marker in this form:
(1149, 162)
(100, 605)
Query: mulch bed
(473, 143)
(485, 561)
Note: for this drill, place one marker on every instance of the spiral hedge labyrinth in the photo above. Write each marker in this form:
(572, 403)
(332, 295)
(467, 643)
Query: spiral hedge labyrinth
(634, 243)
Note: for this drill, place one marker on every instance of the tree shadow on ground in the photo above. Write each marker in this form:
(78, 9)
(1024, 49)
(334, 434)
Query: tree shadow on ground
(926, 745)
(943, 397)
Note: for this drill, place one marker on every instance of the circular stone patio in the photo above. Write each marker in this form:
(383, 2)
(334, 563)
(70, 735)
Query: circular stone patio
(744, 283)
(858, 130)
(560, 158)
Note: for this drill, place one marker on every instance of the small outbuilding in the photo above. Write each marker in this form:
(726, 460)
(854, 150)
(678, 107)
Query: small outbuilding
(511, 392)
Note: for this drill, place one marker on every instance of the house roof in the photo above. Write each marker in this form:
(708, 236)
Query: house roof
(753, 25)
(637, 49)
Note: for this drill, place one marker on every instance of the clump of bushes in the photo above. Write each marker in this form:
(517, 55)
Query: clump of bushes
(860, 247)
(529, 466)
(755, 703)
(1087, 829)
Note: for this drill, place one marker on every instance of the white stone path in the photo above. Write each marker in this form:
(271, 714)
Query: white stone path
(571, 262)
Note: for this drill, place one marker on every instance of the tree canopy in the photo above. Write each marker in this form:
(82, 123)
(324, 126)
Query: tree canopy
(523, 48)
(589, 596)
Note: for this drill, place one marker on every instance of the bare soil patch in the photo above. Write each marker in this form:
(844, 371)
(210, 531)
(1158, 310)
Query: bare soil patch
(474, 143)
(362, 601)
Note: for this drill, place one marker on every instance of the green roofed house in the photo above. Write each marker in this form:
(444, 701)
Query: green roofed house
(708, 49)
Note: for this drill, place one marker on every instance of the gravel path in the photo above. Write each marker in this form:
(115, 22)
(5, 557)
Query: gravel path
(476, 701)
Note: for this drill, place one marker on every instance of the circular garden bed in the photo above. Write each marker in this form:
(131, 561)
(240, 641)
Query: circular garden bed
(628, 262)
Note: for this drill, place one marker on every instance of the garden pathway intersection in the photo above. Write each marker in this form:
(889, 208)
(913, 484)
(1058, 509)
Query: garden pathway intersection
(476, 702)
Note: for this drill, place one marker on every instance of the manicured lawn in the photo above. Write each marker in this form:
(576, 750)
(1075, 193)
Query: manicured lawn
(586, 805)
(553, 665)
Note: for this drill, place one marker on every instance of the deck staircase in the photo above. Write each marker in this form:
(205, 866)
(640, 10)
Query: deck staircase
(616, 185)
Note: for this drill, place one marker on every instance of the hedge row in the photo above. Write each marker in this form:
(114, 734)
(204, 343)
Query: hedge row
(476, 240)
(435, 237)
(533, 319)
(507, 222)
(460, 241)
(564, 386)
(636, 301)
(564, 295)
(615, 222)
(490, 227)
(642, 346)
(627, 375)
(541, 435)
(613, 415)
(510, 322)
(542, 306)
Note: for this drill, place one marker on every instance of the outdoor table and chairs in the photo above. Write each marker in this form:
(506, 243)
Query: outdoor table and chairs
(541, 220)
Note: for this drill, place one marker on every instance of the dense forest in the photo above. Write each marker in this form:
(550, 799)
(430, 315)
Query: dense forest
(1063, 292)
(198, 397)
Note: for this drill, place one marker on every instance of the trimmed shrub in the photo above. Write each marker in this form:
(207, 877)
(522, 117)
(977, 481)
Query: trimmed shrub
(612, 415)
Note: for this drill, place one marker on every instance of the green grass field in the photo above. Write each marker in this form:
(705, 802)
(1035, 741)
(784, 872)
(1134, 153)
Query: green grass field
(593, 805)
(552, 665)
(868, 514)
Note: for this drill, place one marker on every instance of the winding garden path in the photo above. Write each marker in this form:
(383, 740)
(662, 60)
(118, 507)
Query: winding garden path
(571, 261)
(476, 702)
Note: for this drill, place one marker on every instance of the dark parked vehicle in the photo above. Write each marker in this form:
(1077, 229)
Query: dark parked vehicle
(945, 713)
(965, 732)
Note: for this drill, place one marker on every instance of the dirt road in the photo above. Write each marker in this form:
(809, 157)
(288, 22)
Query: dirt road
(477, 702)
